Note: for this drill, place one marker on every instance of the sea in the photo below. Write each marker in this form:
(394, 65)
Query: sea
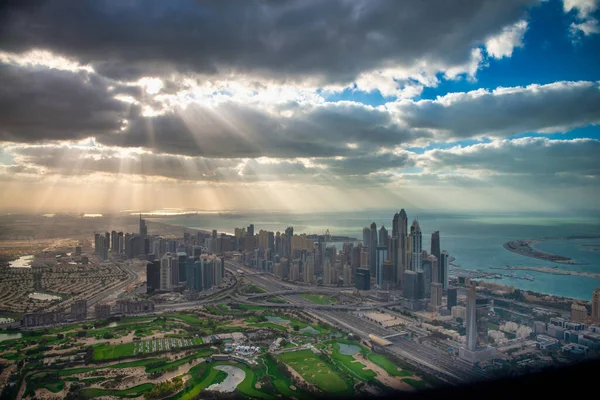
(475, 240)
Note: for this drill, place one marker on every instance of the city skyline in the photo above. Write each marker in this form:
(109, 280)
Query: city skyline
(495, 100)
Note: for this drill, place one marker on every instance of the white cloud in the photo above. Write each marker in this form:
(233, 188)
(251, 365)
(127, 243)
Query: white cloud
(583, 8)
(588, 27)
(503, 44)
(585, 23)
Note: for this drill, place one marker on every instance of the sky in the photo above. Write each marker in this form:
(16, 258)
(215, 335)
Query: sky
(300, 105)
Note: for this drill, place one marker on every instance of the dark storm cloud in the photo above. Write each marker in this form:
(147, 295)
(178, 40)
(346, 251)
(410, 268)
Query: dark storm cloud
(233, 130)
(334, 40)
(39, 104)
(558, 106)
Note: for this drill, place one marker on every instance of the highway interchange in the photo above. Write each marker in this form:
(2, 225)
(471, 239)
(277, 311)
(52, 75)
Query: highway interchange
(433, 360)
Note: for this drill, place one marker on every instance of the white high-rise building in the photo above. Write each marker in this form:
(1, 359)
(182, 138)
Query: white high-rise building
(165, 272)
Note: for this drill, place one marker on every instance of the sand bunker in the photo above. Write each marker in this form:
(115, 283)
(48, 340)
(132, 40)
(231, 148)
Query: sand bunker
(235, 376)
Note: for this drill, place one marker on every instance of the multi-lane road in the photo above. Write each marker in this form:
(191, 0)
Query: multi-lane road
(436, 361)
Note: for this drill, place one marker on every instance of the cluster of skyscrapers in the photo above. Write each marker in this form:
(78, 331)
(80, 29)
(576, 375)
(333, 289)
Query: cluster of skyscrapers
(395, 261)
(181, 271)
(171, 264)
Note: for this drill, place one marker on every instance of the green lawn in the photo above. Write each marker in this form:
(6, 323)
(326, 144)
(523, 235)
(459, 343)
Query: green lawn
(254, 289)
(189, 318)
(135, 391)
(416, 384)
(276, 300)
(388, 365)
(247, 387)
(319, 298)
(105, 351)
(130, 364)
(180, 362)
(351, 366)
(54, 387)
(493, 327)
(282, 383)
(317, 372)
(269, 325)
(202, 376)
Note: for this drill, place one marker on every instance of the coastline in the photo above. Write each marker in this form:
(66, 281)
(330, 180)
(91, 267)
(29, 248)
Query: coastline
(525, 248)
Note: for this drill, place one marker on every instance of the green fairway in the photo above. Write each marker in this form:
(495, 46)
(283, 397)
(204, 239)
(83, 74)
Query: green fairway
(130, 364)
(54, 387)
(387, 365)
(107, 352)
(136, 391)
(350, 365)
(269, 325)
(202, 376)
(189, 318)
(319, 298)
(316, 371)
(282, 382)
(177, 363)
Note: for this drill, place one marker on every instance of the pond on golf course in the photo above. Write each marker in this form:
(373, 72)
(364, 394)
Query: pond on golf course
(278, 320)
(310, 329)
(348, 349)
(9, 336)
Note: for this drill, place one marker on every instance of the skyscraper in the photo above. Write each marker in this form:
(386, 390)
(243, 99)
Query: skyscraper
(436, 295)
(472, 317)
(347, 274)
(373, 244)
(395, 248)
(416, 240)
(250, 230)
(435, 271)
(143, 228)
(452, 298)
(327, 272)
(381, 258)
(309, 270)
(363, 279)
(174, 267)
(443, 269)
(596, 306)
(410, 285)
(152, 276)
(383, 236)
(402, 262)
(165, 272)
(366, 236)
(435, 248)
(182, 262)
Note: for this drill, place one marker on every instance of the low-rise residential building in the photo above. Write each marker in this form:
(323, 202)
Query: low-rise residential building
(39, 319)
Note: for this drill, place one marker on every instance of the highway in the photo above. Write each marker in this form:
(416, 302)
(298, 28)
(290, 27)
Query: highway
(432, 360)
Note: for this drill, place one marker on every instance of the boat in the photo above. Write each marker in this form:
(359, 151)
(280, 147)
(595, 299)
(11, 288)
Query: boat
(529, 277)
